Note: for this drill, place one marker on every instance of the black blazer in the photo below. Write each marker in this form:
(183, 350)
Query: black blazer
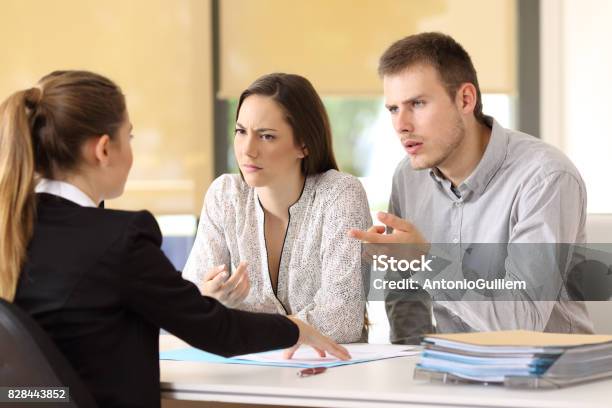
(99, 284)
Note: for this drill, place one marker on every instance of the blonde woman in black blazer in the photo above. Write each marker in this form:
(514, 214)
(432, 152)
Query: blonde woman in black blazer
(96, 279)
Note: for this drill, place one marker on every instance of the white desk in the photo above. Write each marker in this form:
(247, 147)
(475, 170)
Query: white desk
(385, 383)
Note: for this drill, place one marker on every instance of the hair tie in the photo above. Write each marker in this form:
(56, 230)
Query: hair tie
(32, 97)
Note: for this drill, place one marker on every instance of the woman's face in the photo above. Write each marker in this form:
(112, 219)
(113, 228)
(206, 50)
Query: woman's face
(264, 144)
(120, 163)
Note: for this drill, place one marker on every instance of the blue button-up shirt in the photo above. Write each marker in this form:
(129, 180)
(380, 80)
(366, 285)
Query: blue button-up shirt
(522, 191)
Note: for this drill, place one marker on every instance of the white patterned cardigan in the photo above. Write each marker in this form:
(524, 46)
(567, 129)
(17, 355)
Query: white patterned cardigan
(320, 278)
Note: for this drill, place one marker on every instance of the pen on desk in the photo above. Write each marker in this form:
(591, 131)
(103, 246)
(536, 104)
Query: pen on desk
(307, 372)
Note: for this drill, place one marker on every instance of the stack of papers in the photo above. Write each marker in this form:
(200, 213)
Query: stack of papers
(517, 357)
(304, 357)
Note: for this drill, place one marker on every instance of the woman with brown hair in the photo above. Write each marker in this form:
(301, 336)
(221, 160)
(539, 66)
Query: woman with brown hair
(96, 279)
(286, 214)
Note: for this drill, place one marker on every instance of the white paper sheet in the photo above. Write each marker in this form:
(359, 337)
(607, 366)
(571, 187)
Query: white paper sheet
(360, 352)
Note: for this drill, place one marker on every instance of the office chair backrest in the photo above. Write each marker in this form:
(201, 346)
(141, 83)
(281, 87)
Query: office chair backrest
(29, 358)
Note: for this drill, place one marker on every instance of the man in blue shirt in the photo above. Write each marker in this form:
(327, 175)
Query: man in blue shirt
(468, 180)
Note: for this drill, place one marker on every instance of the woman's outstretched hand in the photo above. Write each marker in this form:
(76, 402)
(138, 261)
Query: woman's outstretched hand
(321, 343)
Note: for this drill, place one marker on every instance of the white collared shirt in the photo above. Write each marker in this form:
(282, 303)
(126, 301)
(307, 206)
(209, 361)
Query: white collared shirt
(65, 190)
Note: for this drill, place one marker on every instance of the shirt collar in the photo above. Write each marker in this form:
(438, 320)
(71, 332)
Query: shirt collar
(65, 190)
(305, 197)
(491, 161)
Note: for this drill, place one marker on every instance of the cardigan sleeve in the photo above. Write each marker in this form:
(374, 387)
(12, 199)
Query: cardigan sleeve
(338, 307)
(152, 288)
(210, 247)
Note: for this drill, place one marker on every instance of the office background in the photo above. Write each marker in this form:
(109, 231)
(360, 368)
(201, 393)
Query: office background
(543, 66)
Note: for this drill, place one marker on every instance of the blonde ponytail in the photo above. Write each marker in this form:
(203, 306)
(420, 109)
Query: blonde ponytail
(17, 200)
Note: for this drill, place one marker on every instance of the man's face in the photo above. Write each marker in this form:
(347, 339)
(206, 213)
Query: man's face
(427, 121)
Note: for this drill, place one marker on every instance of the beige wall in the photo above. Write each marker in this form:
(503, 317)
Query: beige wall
(158, 51)
(336, 44)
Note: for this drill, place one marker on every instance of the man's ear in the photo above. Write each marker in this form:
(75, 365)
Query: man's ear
(304, 151)
(467, 96)
(100, 148)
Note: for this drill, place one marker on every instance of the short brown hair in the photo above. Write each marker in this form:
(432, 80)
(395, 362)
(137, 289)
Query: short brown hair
(305, 113)
(440, 51)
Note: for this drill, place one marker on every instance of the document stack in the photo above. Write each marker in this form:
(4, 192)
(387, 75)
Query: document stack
(521, 359)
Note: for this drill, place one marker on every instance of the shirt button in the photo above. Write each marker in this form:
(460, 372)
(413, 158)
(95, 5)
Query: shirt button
(457, 204)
